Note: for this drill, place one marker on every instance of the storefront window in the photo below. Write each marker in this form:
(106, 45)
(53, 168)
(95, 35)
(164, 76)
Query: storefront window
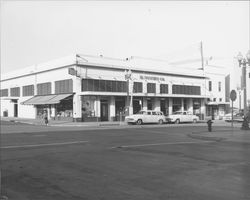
(65, 108)
(176, 104)
(88, 106)
(197, 107)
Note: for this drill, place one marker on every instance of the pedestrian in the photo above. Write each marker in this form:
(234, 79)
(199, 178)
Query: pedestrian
(209, 125)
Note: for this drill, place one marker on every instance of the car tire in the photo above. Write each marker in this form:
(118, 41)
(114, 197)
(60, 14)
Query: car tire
(160, 121)
(139, 122)
(177, 121)
(194, 121)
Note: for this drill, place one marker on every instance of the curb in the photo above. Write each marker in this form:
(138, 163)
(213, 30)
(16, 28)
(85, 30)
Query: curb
(195, 135)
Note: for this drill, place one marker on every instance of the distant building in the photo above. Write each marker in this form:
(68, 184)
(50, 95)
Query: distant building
(91, 88)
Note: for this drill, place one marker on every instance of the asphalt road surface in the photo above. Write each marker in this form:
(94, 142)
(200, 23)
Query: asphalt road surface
(135, 163)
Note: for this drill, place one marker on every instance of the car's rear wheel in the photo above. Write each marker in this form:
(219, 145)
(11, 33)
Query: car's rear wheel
(139, 122)
(194, 120)
(177, 121)
(160, 121)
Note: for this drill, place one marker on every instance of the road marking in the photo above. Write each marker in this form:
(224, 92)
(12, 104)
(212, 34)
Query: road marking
(158, 144)
(42, 145)
(39, 135)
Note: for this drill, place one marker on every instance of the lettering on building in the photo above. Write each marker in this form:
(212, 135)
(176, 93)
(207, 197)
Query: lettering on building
(152, 78)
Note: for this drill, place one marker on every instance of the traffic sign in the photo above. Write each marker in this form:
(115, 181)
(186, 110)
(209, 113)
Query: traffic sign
(233, 95)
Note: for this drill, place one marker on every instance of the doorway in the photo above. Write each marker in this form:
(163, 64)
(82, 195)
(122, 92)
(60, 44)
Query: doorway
(15, 110)
(136, 105)
(104, 110)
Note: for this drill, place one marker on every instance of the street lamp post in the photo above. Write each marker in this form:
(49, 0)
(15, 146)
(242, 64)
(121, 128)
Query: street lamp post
(243, 62)
(128, 74)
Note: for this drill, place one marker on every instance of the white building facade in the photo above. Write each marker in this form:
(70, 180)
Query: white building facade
(88, 88)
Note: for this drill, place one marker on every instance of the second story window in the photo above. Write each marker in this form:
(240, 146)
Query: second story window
(164, 88)
(15, 92)
(151, 88)
(210, 85)
(137, 87)
(44, 88)
(4, 93)
(219, 86)
(64, 86)
(28, 90)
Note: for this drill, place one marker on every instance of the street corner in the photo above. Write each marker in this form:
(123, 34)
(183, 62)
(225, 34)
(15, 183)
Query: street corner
(205, 135)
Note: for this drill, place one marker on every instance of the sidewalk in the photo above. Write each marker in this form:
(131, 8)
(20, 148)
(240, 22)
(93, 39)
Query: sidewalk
(233, 134)
(60, 122)
(100, 123)
(221, 130)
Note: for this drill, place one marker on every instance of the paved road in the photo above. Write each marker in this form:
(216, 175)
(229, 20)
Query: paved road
(139, 162)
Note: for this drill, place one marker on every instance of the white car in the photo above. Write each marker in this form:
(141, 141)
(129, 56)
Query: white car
(237, 117)
(147, 116)
(184, 116)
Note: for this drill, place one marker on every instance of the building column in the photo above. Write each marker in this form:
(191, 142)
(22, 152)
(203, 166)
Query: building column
(53, 111)
(190, 105)
(77, 114)
(170, 106)
(112, 108)
(53, 87)
(203, 109)
(182, 104)
(157, 104)
(77, 102)
(144, 103)
(98, 107)
(48, 112)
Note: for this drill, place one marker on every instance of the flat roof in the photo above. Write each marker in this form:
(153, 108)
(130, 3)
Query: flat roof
(135, 64)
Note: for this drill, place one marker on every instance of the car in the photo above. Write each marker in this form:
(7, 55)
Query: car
(146, 116)
(237, 117)
(182, 116)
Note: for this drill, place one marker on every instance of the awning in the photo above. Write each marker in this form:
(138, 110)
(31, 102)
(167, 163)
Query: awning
(47, 99)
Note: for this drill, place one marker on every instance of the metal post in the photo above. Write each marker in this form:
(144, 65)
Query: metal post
(127, 111)
(232, 122)
(240, 100)
(244, 88)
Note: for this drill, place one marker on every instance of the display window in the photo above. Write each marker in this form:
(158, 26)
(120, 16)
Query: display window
(88, 106)
(176, 104)
(65, 108)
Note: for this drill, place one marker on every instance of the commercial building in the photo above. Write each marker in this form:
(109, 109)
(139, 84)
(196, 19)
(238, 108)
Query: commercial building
(95, 88)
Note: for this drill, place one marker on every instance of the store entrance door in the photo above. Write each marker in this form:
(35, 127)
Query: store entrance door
(15, 110)
(104, 110)
(136, 105)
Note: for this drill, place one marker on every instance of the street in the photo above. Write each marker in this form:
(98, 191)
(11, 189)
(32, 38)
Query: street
(136, 162)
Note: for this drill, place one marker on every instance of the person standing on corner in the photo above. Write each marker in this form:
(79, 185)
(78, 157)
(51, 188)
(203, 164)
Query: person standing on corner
(209, 125)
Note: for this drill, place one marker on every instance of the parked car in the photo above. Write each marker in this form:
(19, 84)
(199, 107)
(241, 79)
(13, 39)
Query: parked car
(146, 116)
(179, 116)
(237, 117)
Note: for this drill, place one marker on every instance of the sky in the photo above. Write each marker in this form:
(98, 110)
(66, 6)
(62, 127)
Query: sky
(33, 32)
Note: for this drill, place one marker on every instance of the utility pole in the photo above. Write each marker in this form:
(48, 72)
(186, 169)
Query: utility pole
(203, 69)
(202, 57)
(128, 74)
